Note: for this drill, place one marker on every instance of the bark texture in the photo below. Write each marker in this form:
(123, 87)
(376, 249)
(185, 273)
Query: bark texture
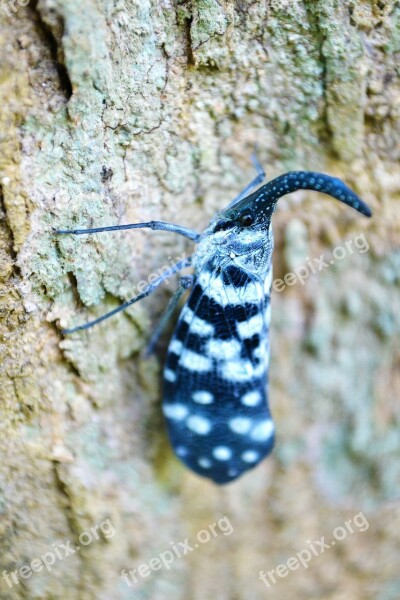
(125, 111)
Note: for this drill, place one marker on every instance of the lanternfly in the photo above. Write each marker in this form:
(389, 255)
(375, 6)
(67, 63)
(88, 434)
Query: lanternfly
(215, 377)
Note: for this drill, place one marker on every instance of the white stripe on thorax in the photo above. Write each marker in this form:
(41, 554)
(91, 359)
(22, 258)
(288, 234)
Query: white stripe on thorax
(214, 287)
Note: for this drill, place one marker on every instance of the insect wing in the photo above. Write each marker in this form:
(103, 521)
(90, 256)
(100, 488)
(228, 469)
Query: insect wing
(215, 399)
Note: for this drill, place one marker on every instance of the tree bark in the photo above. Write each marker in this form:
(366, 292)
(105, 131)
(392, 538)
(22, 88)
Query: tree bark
(118, 112)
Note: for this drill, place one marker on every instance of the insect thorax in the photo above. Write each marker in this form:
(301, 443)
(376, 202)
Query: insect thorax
(248, 249)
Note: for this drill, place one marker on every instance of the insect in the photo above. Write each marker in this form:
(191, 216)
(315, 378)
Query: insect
(215, 377)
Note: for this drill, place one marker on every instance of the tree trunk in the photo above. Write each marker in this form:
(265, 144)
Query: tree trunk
(130, 111)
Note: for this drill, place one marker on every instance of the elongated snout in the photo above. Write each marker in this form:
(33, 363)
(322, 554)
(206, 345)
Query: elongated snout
(262, 202)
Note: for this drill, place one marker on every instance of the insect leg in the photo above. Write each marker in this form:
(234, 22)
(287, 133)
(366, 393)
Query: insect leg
(146, 292)
(155, 225)
(185, 283)
(259, 178)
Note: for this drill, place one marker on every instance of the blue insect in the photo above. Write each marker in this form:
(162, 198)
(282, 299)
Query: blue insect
(215, 377)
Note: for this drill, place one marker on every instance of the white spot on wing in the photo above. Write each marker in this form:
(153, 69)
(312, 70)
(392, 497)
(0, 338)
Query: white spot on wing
(261, 352)
(241, 370)
(250, 456)
(268, 282)
(169, 375)
(198, 424)
(175, 347)
(196, 325)
(246, 329)
(204, 462)
(251, 398)
(223, 349)
(267, 314)
(222, 452)
(175, 411)
(240, 424)
(181, 451)
(192, 361)
(263, 431)
(202, 397)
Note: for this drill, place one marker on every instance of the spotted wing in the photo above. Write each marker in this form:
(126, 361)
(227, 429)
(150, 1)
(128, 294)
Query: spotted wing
(215, 399)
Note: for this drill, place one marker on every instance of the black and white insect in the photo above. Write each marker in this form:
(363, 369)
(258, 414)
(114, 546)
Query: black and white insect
(215, 377)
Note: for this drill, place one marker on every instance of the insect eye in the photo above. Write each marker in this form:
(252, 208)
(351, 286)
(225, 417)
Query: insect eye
(222, 225)
(246, 220)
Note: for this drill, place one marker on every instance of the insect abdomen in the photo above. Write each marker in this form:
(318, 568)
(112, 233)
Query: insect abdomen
(215, 399)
